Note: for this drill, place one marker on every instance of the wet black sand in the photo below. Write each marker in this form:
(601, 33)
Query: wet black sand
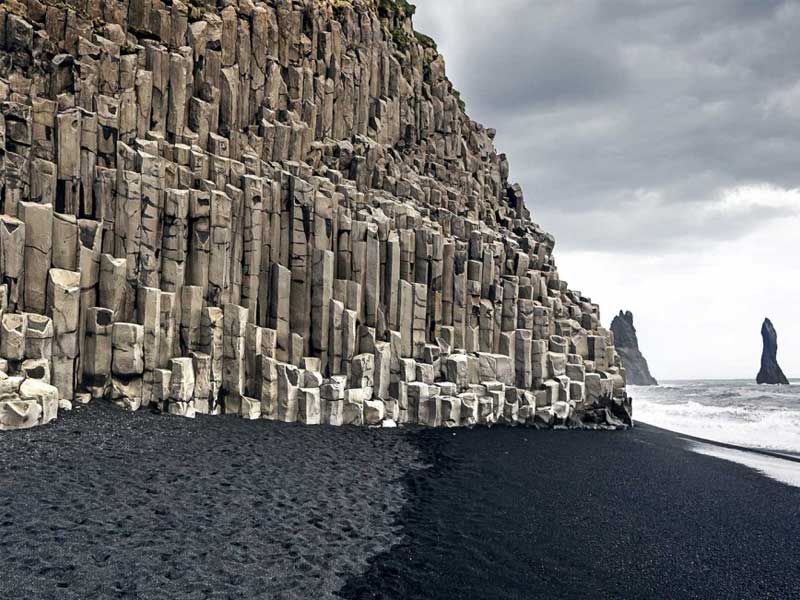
(521, 514)
(103, 504)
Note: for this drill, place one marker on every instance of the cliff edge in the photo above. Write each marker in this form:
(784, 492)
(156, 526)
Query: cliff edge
(770, 372)
(637, 372)
(275, 209)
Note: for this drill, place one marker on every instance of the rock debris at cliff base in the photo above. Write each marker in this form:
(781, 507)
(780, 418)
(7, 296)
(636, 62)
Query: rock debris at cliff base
(272, 209)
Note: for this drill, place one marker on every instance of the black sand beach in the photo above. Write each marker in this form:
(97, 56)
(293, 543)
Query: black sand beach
(106, 504)
(103, 504)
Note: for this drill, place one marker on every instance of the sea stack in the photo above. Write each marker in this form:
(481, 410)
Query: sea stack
(636, 370)
(770, 372)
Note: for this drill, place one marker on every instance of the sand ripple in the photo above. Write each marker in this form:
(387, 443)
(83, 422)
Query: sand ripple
(107, 504)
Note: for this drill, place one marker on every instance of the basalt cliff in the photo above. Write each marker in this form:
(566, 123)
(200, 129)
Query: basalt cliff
(637, 372)
(274, 209)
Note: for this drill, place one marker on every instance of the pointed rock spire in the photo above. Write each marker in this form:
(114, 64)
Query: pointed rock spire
(770, 372)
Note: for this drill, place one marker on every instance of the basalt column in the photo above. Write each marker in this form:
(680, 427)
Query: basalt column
(274, 210)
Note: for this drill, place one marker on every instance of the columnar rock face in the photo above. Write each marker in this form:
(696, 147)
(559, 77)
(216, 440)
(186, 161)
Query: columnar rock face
(770, 372)
(277, 209)
(637, 372)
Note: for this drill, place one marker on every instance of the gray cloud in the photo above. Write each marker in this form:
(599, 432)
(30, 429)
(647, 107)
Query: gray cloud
(554, 71)
(649, 225)
(603, 107)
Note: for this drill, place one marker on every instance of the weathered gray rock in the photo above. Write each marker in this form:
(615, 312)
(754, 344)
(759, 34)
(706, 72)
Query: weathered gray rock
(251, 408)
(429, 410)
(126, 393)
(36, 368)
(456, 371)
(470, 413)
(309, 408)
(486, 411)
(333, 412)
(12, 257)
(374, 412)
(161, 388)
(288, 390)
(13, 328)
(127, 341)
(509, 410)
(205, 390)
(63, 307)
(362, 369)
(496, 367)
(382, 374)
(182, 381)
(353, 407)
(182, 409)
(233, 356)
(19, 414)
(38, 219)
(44, 394)
(98, 349)
(38, 336)
(450, 407)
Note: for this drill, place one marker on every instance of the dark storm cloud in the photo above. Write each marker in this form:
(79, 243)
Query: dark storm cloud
(640, 113)
(554, 71)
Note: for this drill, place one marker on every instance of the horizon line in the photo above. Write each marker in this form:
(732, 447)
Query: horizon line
(792, 380)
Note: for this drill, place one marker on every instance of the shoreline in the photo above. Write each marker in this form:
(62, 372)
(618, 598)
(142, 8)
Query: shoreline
(161, 507)
(742, 415)
(636, 514)
(785, 455)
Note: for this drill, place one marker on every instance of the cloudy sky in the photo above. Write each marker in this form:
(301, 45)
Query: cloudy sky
(659, 141)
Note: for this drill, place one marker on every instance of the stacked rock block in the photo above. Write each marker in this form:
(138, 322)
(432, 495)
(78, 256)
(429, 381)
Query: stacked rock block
(27, 398)
(276, 209)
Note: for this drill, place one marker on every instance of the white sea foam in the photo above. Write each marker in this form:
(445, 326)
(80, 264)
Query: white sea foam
(785, 471)
(733, 412)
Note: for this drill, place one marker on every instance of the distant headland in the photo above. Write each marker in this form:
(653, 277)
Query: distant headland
(637, 371)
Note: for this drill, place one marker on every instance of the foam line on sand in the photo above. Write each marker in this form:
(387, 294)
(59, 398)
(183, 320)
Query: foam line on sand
(779, 467)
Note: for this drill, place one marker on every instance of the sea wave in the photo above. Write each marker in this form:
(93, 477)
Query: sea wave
(731, 412)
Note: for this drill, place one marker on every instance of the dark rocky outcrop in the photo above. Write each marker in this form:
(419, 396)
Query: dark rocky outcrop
(636, 370)
(770, 372)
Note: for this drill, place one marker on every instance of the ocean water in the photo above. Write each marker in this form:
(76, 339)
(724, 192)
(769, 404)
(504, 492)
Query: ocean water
(736, 412)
